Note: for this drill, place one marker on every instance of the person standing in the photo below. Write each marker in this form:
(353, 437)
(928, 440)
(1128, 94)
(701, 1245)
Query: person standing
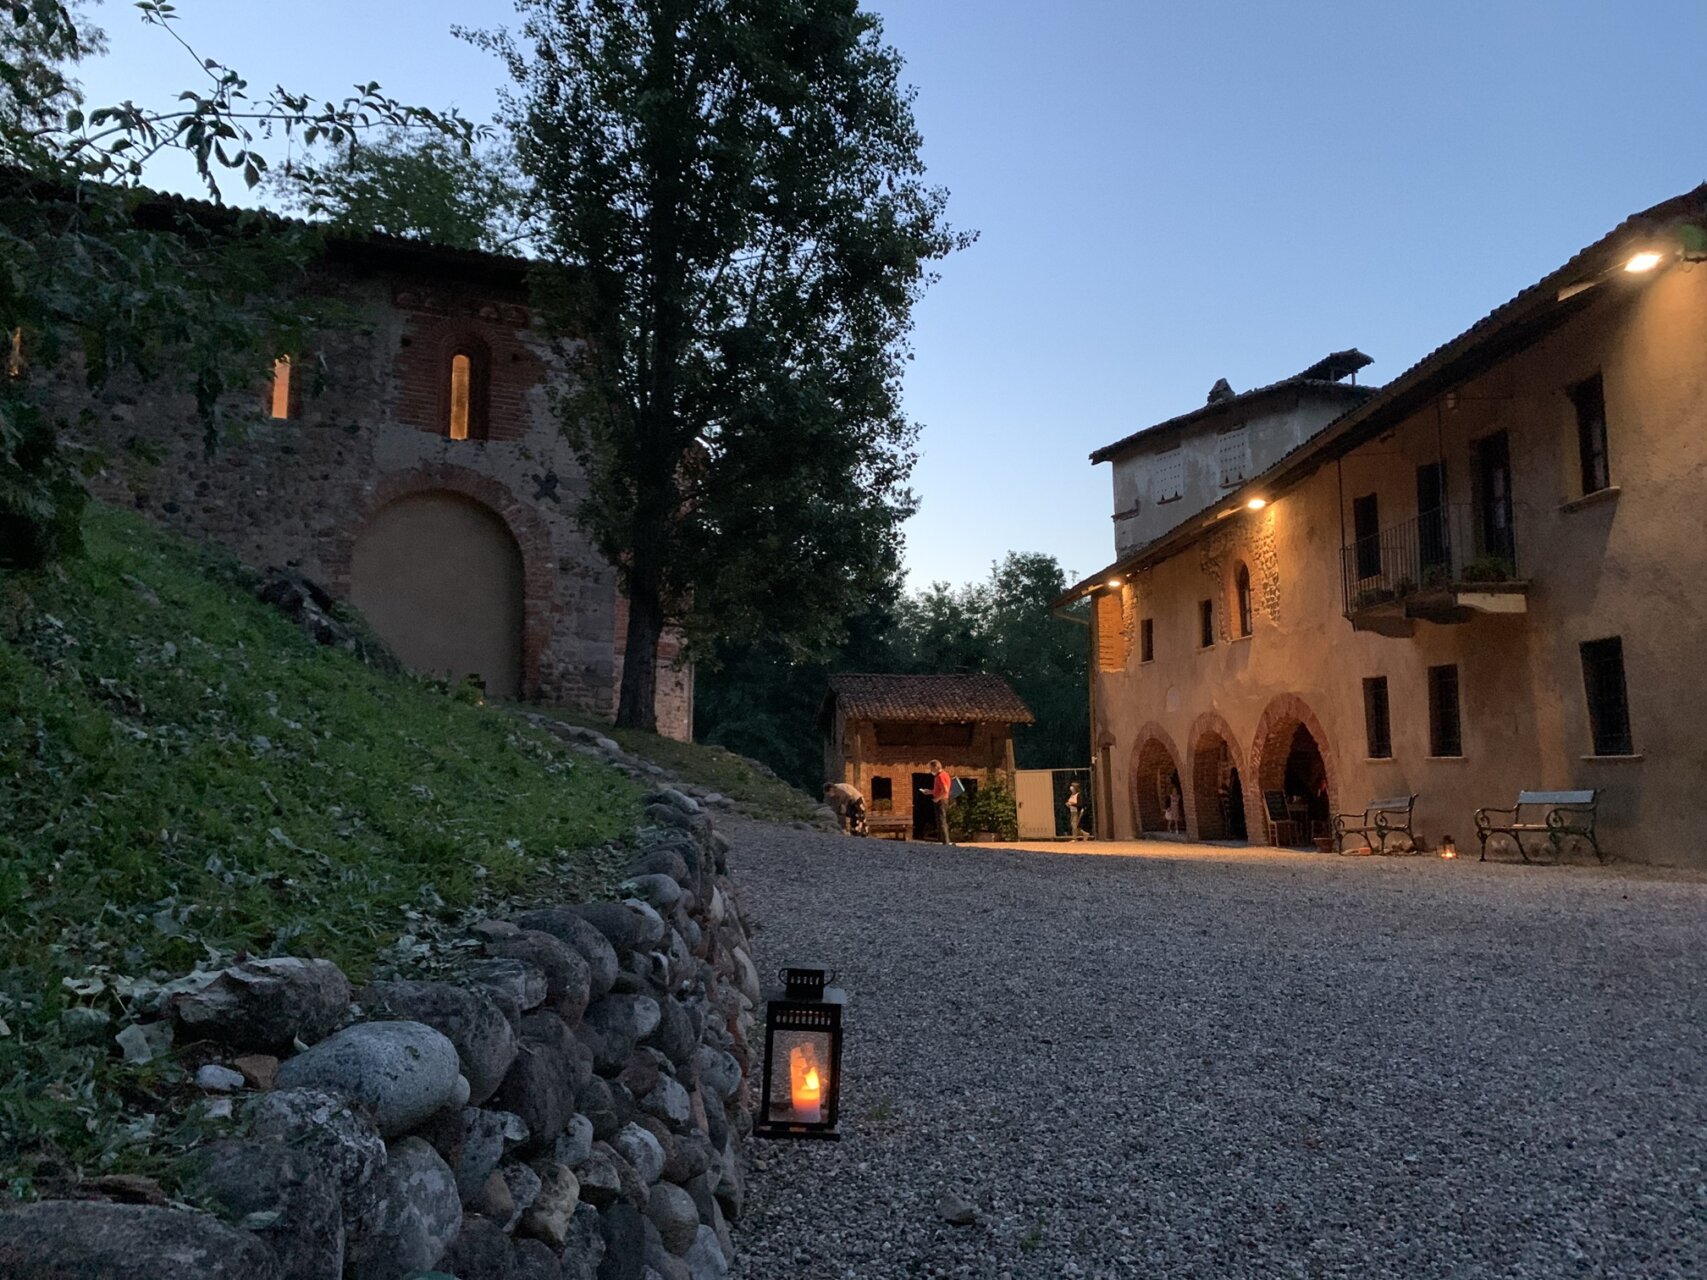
(941, 787)
(1075, 812)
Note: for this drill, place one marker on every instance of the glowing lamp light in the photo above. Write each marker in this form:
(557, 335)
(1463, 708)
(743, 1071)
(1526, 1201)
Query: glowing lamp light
(800, 1095)
(1257, 504)
(1113, 584)
(1448, 847)
(1647, 260)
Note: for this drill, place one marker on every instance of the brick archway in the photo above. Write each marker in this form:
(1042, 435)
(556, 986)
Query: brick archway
(525, 525)
(1279, 723)
(1213, 745)
(1155, 760)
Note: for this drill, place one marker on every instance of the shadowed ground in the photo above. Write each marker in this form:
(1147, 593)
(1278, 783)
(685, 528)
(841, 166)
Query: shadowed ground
(1166, 1060)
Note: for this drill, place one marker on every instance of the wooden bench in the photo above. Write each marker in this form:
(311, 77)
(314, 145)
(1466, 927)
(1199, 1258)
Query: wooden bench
(889, 826)
(1554, 814)
(1383, 819)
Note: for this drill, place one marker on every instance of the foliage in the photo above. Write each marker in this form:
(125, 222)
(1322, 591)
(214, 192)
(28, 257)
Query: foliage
(428, 188)
(989, 808)
(185, 776)
(96, 280)
(733, 193)
(1488, 567)
(756, 700)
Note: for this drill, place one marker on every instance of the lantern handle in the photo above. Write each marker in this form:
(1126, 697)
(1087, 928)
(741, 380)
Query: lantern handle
(830, 975)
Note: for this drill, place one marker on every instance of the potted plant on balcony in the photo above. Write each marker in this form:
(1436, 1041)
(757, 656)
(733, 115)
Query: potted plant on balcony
(1487, 568)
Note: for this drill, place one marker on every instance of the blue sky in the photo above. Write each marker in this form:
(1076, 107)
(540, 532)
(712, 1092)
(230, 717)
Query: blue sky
(1166, 194)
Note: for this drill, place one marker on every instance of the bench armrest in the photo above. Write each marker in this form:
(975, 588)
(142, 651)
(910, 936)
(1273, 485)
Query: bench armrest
(1483, 817)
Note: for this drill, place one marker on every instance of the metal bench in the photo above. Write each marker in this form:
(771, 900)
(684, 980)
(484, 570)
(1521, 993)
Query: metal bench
(1554, 814)
(1383, 819)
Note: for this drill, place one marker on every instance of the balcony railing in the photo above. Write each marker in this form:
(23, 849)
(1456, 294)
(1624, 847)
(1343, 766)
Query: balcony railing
(1427, 566)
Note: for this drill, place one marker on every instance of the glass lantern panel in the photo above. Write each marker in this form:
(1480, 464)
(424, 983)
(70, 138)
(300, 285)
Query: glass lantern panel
(800, 1077)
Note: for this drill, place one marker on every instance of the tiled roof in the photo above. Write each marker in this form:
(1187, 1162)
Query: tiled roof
(1544, 305)
(929, 699)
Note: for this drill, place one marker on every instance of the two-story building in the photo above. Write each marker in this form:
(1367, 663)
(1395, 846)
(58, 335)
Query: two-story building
(1481, 579)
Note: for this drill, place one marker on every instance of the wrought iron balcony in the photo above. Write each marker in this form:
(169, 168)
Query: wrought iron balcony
(1447, 565)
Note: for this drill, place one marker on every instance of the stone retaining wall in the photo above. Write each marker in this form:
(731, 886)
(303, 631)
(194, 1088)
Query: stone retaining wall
(567, 1101)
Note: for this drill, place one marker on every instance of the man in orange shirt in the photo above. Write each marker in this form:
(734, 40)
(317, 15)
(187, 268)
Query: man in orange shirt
(941, 786)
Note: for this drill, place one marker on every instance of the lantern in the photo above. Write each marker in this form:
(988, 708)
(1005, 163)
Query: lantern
(1448, 849)
(803, 1057)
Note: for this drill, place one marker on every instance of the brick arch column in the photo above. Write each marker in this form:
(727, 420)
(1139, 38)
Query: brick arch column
(1202, 807)
(1152, 751)
(1269, 748)
(526, 526)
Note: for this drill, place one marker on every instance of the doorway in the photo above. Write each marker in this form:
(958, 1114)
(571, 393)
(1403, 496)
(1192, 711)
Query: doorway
(1491, 458)
(1306, 784)
(924, 808)
(1433, 551)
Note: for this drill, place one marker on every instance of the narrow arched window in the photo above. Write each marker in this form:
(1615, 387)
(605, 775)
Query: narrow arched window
(465, 392)
(279, 402)
(1242, 592)
(15, 354)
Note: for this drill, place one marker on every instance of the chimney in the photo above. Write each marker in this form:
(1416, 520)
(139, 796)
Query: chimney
(1222, 390)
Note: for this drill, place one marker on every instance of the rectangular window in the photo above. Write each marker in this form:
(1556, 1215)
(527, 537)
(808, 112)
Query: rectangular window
(1169, 476)
(1111, 631)
(1205, 623)
(1147, 640)
(1608, 707)
(1366, 529)
(1234, 456)
(1376, 722)
(1589, 398)
(1445, 728)
(882, 795)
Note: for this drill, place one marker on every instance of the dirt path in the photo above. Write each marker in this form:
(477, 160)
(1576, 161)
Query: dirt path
(1216, 1063)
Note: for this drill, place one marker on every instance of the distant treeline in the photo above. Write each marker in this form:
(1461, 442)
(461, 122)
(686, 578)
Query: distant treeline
(763, 703)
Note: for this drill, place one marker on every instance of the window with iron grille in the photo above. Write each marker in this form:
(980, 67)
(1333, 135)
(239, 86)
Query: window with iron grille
(1608, 707)
(1205, 623)
(1377, 724)
(1445, 728)
(1147, 640)
(1242, 598)
(1589, 398)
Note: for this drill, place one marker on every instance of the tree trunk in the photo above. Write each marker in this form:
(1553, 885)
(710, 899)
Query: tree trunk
(637, 702)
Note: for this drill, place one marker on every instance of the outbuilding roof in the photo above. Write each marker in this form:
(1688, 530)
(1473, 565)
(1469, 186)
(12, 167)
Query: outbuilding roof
(930, 699)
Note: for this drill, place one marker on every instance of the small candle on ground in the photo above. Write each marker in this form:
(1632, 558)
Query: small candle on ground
(807, 1086)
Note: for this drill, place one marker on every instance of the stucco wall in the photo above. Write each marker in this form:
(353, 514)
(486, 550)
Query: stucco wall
(302, 492)
(1270, 432)
(1624, 564)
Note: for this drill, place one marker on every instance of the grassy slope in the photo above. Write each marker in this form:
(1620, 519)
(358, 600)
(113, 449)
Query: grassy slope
(184, 775)
(755, 794)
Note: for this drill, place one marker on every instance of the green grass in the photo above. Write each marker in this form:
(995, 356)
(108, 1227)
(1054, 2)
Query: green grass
(184, 777)
(756, 794)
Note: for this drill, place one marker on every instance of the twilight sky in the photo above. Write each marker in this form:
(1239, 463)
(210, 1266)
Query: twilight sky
(1167, 193)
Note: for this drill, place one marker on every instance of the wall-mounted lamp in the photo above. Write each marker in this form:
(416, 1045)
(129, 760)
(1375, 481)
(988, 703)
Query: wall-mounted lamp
(1647, 260)
(1257, 504)
(1113, 584)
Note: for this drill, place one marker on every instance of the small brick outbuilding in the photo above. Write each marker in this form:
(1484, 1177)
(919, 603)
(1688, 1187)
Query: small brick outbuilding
(881, 732)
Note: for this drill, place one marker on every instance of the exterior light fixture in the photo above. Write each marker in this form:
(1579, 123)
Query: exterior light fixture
(1448, 847)
(803, 1057)
(1257, 504)
(1647, 260)
(1113, 584)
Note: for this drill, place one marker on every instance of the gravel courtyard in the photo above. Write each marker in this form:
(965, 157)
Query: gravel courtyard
(1219, 1062)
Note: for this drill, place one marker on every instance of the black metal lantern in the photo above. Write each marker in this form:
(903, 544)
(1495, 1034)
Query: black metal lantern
(803, 1057)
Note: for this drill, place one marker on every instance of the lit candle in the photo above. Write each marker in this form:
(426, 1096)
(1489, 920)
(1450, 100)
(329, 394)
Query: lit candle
(807, 1086)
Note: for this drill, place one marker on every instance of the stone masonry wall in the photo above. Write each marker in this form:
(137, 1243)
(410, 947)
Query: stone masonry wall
(368, 401)
(565, 1099)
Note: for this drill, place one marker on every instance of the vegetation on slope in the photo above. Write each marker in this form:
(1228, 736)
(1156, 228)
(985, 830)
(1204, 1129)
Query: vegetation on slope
(185, 776)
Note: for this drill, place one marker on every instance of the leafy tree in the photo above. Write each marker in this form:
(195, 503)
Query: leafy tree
(732, 193)
(98, 278)
(427, 188)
